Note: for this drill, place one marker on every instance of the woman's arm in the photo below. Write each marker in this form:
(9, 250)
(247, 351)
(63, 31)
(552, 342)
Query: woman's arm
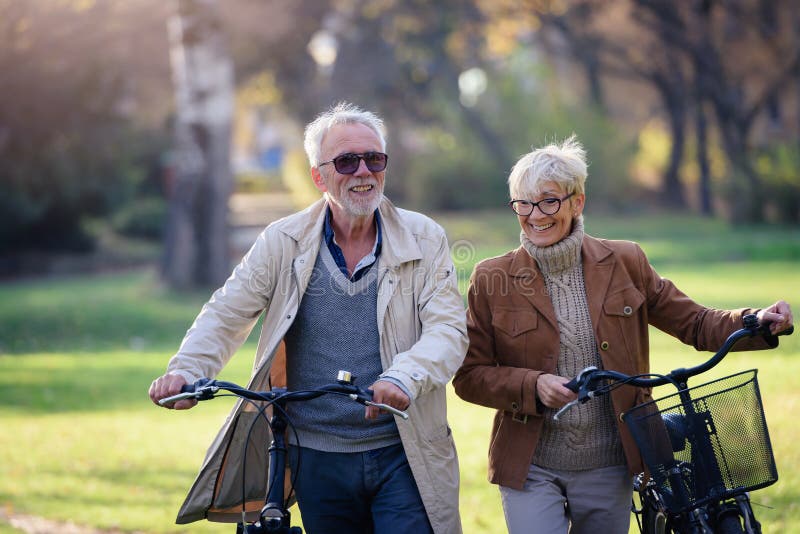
(482, 379)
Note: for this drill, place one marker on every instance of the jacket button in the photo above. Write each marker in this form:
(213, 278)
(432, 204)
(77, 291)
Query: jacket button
(627, 310)
(416, 376)
(604, 345)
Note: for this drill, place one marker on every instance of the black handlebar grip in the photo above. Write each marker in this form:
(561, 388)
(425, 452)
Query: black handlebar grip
(572, 385)
(191, 388)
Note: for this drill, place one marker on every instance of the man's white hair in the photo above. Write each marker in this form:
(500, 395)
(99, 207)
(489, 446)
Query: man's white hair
(341, 113)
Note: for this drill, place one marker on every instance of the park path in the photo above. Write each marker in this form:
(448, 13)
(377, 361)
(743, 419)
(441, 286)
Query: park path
(30, 524)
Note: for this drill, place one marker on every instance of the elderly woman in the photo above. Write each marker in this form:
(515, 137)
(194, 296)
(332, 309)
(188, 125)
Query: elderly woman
(538, 315)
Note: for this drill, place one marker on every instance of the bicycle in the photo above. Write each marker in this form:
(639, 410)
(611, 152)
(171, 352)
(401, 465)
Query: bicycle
(274, 517)
(705, 448)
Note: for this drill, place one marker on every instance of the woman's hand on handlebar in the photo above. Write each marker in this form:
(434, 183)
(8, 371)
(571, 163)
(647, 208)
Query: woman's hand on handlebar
(778, 316)
(166, 386)
(551, 391)
(384, 392)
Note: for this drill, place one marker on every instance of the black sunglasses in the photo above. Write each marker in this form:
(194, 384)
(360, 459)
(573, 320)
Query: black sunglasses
(348, 163)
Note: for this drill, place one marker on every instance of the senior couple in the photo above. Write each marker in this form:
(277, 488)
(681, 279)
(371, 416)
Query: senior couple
(353, 282)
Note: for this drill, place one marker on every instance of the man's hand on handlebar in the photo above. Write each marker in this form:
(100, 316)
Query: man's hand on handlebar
(551, 391)
(384, 392)
(168, 385)
(778, 316)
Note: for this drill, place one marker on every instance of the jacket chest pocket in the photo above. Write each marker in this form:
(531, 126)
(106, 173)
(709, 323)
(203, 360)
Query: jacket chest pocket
(514, 332)
(625, 303)
(622, 329)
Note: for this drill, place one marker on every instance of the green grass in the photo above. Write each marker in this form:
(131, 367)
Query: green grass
(82, 442)
(94, 313)
(82, 438)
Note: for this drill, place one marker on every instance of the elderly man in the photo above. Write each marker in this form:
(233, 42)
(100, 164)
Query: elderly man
(351, 282)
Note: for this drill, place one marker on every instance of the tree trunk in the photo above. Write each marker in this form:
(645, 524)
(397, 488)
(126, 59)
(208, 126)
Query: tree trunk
(670, 89)
(196, 248)
(704, 183)
(748, 202)
(673, 189)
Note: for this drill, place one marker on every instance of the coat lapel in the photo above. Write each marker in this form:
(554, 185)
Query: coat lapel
(399, 247)
(530, 283)
(598, 266)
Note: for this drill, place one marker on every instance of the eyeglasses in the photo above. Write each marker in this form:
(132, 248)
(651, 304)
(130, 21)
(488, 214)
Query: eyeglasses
(548, 206)
(348, 163)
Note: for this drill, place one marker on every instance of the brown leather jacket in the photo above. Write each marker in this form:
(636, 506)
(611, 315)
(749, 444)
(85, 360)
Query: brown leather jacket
(513, 338)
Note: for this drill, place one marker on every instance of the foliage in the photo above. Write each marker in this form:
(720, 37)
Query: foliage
(86, 84)
(733, 64)
(297, 178)
(51, 183)
(453, 170)
(144, 218)
(456, 169)
(780, 166)
(68, 146)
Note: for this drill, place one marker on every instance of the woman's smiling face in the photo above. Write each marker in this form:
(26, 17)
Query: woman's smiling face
(544, 230)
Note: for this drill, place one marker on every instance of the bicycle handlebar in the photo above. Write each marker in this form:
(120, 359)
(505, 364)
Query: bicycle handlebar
(206, 389)
(591, 376)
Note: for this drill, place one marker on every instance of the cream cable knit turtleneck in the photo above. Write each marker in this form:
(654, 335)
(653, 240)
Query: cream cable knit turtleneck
(585, 437)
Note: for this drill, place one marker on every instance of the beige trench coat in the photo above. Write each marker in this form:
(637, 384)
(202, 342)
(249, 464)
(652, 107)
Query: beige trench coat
(423, 340)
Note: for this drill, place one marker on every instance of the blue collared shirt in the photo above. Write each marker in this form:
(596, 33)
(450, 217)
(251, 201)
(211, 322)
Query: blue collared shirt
(362, 268)
(366, 262)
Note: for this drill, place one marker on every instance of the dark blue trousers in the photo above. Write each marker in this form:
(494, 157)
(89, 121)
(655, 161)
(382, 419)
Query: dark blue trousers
(353, 493)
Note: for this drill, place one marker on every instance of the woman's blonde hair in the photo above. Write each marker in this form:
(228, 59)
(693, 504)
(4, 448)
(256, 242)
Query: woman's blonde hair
(563, 163)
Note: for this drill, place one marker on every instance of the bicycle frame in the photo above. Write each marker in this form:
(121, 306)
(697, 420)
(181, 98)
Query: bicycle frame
(667, 504)
(275, 517)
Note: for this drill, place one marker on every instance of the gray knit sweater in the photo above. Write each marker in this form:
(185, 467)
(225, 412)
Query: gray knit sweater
(585, 437)
(336, 328)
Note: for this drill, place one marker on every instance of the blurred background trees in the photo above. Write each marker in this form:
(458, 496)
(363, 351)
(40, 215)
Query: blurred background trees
(77, 93)
(690, 106)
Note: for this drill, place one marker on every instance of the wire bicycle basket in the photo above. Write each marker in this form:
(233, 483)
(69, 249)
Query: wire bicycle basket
(705, 443)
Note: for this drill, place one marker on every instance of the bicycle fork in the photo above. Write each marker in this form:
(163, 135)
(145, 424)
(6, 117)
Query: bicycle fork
(745, 511)
(274, 517)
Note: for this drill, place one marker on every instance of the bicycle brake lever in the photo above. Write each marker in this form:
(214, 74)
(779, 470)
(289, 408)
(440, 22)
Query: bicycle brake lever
(175, 398)
(564, 408)
(381, 406)
(579, 400)
(203, 393)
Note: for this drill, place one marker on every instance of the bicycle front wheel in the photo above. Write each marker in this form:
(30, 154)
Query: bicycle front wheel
(654, 522)
(729, 524)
